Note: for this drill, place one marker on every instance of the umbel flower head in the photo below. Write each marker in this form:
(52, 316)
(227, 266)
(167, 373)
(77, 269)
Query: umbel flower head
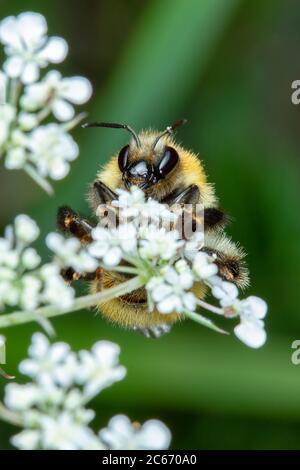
(27, 46)
(24, 282)
(43, 151)
(172, 266)
(52, 406)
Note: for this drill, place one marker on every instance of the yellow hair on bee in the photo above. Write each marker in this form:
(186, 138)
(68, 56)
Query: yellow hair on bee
(128, 311)
(220, 243)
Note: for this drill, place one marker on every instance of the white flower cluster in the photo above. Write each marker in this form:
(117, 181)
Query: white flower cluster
(43, 150)
(170, 267)
(69, 252)
(52, 407)
(24, 282)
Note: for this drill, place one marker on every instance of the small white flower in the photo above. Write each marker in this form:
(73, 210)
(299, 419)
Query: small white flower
(28, 47)
(27, 121)
(15, 158)
(100, 368)
(55, 291)
(26, 229)
(65, 433)
(21, 397)
(64, 374)
(204, 267)
(251, 328)
(29, 293)
(51, 150)
(43, 358)
(170, 291)
(193, 245)
(226, 292)
(134, 206)
(30, 258)
(27, 440)
(110, 245)
(122, 434)
(158, 242)
(70, 253)
(57, 93)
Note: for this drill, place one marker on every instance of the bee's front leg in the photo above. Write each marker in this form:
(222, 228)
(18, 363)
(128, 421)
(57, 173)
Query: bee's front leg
(70, 275)
(100, 194)
(69, 221)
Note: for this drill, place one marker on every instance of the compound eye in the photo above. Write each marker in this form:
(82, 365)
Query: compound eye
(123, 158)
(168, 162)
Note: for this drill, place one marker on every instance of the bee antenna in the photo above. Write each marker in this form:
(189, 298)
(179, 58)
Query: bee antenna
(169, 130)
(115, 126)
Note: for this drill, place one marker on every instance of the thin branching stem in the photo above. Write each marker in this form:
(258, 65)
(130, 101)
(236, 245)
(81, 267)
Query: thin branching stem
(42, 182)
(196, 317)
(210, 308)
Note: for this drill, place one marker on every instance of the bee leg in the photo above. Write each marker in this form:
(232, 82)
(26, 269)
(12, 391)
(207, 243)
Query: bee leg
(69, 221)
(232, 267)
(101, 194)
(189, 195)
(70, 275)
(215, 218)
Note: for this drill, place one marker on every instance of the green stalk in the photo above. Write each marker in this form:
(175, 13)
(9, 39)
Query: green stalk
(196, 317)
(42, 182)
(21, 317)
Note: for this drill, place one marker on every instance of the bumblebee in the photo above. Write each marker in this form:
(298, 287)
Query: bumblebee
(169, 173)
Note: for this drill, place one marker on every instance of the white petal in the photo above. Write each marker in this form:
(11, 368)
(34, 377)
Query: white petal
(26, 440)
(62, 110)
(113, 257)
(258, 306)
(59, 169)
(30, 73)
(31, 27)
(107, 352)
(160, 292)
(55, 50)
(78, 90)
(9, 32)
(15, 158)
(13, 66)
(251, 334)
(39, 346)
(169, 304)
(154, 435)
(58, 351)
(190, 301)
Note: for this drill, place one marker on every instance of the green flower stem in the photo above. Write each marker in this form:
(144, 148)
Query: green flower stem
(10, 416)
(211, 308)
(20, 317)
(15, 90)
(196, 317)
(68, 126)
(42, 182)
(44, 113)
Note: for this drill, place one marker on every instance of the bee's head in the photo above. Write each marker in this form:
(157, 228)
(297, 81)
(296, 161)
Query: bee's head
(144, 162)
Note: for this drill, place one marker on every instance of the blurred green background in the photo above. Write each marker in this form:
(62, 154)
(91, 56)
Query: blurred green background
(227, 66)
